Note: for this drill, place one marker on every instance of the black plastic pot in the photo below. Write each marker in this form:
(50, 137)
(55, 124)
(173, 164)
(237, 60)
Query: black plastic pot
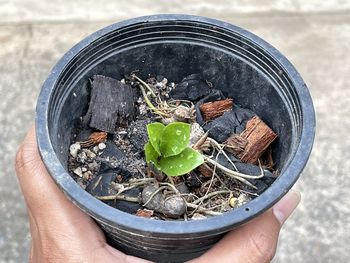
(239, 63)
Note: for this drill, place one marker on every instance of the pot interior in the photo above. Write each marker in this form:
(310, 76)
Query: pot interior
(236, 65)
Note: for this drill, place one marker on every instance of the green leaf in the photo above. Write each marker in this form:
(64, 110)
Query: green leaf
(181, 164)
(175, 138)
(155, 131)
(151, 154)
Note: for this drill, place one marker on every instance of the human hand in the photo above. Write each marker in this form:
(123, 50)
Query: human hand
(61, 232)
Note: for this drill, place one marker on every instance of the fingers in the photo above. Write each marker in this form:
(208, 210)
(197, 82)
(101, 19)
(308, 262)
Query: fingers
(256, 241)
(40, 192)
(54, 220)
(60, 231)
(44, 200)
(285, 207)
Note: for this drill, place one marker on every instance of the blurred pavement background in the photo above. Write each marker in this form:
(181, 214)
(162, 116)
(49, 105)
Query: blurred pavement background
(313, 34)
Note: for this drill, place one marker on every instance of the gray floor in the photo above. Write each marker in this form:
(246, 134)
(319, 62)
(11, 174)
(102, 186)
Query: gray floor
(315, 36)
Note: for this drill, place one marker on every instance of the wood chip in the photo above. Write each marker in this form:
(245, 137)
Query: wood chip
(214, 109)
(258, 136)
(267, 160)
(94, 139)
(236, 144)
(205, 170)
(144, 213)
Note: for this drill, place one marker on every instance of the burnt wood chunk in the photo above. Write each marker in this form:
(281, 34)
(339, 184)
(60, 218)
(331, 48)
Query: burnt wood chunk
(258, 136)
(214, 109)
(192, 87)
(233, 121)
(112, 103)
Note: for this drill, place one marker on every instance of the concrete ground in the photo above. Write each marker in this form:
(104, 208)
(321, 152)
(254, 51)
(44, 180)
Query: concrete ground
(314, 35)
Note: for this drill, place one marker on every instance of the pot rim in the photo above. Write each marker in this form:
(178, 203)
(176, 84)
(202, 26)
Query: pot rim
(218, 224)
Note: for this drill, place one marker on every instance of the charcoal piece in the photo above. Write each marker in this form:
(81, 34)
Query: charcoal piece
(137, 134)
(269, 179)
(214, 95)
(223, 160)
(112, 103)
(251, 169)
(83, 135)
(107, 167)
(125, 175)
(230, 122)
(260, 185)
(193, 180)
(112, 151)
(159, 78)
(182, 188)
(129, 207)
(192, 87)
(245, 168)
(112, 159)
(100, 185)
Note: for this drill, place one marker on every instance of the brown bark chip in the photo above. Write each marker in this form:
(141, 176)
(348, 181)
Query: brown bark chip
(259, 136)
(214, 109)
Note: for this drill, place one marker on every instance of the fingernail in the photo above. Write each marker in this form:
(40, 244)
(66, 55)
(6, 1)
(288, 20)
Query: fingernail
(285, 207)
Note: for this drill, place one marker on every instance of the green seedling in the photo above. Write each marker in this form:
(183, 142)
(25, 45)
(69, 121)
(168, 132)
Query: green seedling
(168, 149)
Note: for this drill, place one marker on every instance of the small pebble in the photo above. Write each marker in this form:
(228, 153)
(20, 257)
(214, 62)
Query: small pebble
(196, 133)
(165, 81)
(182, 188)
(84, 169)
(101, 146)
(242, 199)
(87, 175)
(182, 113)
(122, 132)
(198, 216)
(167, 121)
(74, 149)
(174, 206)
(233, 202)
(143, 109)
(156, 203)
(78, 171)
(159, 85)
(81, 157)
(93, 166)
(90, 154)
(95, 149)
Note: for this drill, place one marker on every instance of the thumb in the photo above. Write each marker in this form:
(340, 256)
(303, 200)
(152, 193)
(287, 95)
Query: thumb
(256, 241)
